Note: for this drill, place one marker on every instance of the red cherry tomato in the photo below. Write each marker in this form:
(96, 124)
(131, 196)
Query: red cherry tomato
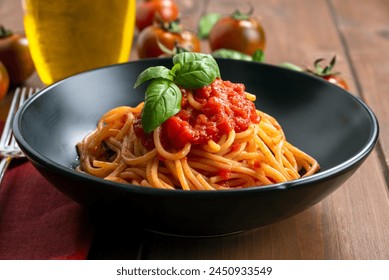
(237, 32)
(328, 74)
(147, 10)
(4, 81)
(337, 80)
(147, 42)
(15, 55)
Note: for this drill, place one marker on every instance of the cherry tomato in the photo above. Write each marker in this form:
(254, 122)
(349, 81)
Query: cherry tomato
(238, 32)
(169, 36)
(4, 81)
(328, 74)
(15, 55)
(337, 80)
(164, 10)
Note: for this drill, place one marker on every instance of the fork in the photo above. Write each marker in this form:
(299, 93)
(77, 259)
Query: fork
(9, 149)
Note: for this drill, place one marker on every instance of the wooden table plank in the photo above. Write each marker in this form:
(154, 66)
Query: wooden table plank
(365, 28)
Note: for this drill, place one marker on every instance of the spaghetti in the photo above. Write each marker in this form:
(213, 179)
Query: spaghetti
(218, 140)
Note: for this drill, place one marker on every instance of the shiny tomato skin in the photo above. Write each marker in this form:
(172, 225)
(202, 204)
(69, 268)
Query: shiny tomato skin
(166, 10)
(4, 81)
(337, 80)
(16, 57)
(147, 42)
(243, 35)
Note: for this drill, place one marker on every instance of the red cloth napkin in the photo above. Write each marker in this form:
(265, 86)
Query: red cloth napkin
(37, 221)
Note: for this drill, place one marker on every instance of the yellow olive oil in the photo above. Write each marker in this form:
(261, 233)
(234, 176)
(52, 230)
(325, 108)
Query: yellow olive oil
(67, 37)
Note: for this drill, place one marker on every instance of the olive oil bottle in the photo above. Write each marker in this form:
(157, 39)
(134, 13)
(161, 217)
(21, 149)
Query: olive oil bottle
(68, 37)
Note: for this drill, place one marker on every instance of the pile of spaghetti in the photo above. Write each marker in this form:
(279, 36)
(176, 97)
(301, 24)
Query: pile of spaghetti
(217, 140)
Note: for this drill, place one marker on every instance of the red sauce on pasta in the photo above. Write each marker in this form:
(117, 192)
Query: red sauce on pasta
(224, 108)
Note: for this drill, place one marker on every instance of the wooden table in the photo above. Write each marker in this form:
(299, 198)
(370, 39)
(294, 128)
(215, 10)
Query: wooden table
(353, 222)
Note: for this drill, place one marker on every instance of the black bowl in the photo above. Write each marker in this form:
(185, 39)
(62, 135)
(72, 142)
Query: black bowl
(328, 123)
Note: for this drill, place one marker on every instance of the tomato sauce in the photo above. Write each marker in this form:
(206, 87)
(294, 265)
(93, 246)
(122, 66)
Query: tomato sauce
(224, 108)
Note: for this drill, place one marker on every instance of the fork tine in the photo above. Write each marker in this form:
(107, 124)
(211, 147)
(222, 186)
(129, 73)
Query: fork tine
(32, 91)
(8, 146)
(25, 94)
(20, 96)
(6, 135)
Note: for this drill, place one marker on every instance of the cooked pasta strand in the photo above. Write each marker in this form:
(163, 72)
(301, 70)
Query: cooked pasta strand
(257, 156)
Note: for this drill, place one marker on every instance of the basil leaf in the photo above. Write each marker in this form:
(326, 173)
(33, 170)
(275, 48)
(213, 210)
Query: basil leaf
(196, 70)
(195, 74)
(232, 54)
(163, 96)
(153, 73)
(259, 56)
(174, 70)
(163, 100)
(185, 57)
(206, 23)
(291, 66)
(215, 65)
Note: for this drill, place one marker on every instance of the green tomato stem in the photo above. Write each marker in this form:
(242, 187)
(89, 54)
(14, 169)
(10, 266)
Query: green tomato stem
(4, 33)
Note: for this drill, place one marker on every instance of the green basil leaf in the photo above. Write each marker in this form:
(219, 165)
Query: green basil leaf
(163, 96)
(291, 66)
(215, 65)
(163, 100)
(195, 74)
(186, 57)
(232, 54)
(174, 70)
(206, 23)
(259, 56)
(196, 69)
(153, 73)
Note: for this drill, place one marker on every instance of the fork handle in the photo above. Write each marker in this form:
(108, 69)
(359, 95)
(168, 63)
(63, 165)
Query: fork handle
(3, 166)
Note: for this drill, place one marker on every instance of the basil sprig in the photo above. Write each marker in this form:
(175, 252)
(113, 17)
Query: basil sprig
(195, 70)
(258, 55)
(153, 73)
(206, 23)
(163, 96)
